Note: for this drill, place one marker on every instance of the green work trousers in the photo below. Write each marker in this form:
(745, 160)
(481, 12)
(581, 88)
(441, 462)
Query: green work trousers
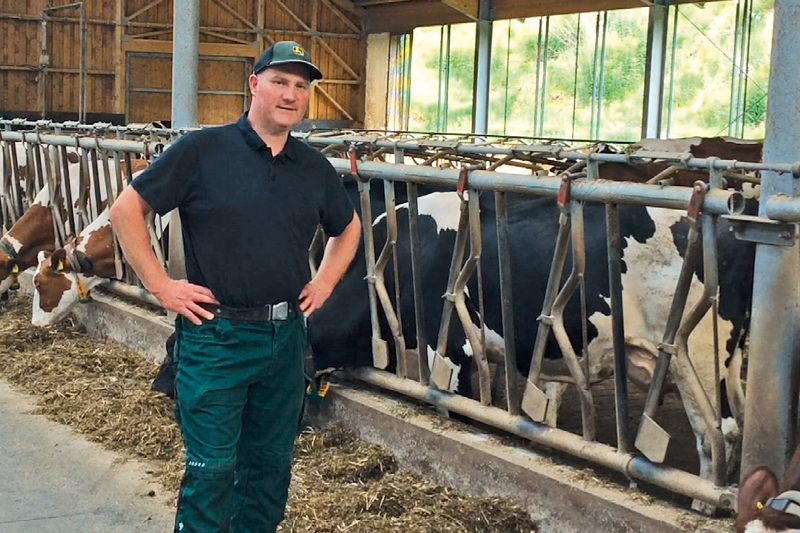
(239, 391)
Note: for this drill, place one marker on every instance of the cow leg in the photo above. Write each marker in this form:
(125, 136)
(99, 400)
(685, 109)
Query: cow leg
(733, 385)
(730, 432)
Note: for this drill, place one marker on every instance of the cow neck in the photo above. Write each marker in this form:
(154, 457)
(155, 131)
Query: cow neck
(34, 232)
(8, 249)
(81, 267)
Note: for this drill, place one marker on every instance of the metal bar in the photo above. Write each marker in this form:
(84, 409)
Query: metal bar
(83, 59)
(483, 58)
(130, 291)
(70, 141)
(185, 48)
(416, 265)
(771, 411)
(716, 201)
(654, 70)
(582, 381)
(632, 466)
(507, 301)
(379, 358)
(617, 327)
(456, 260)
(690, 383)
(73, 229)
(673, 320)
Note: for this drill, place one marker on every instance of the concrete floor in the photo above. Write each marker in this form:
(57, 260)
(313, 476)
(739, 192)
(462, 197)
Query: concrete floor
(53, 480)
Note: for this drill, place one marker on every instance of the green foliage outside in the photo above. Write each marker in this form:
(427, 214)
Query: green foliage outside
(705, 96)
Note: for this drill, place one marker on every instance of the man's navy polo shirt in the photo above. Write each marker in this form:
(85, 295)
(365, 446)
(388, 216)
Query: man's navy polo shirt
(248, 217)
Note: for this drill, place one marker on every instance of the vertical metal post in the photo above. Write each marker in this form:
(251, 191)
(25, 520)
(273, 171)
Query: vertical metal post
(186, 35)
(82, 105)
(185, 48)
(770, 409)
(483, 60)
(654, 70)
(44, 60)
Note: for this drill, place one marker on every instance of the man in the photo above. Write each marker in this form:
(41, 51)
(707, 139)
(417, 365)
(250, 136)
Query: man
(250, 198)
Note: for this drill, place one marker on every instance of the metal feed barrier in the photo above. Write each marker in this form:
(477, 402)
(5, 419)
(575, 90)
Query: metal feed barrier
(571, 175)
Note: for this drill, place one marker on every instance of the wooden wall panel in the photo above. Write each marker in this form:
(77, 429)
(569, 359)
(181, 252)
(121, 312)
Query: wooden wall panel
(231, 28)
(148, 107)
(218, 108)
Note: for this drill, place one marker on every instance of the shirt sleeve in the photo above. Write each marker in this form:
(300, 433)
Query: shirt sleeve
(164, 185)
(337, 211)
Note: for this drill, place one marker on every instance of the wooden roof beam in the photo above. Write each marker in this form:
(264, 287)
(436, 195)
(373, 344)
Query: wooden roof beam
(465, 7)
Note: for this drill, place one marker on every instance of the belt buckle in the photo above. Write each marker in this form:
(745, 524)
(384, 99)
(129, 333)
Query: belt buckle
(280, 311)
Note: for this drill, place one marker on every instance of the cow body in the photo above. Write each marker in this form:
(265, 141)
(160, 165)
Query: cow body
(34, 232)
(654, 242)
(66, 276)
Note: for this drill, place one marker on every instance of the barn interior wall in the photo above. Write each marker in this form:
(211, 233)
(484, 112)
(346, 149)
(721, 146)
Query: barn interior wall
(377, 85)
(129, 49)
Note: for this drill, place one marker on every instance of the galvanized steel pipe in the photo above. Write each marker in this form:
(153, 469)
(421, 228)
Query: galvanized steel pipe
(716, 201)
(72, 141)
(634, 467)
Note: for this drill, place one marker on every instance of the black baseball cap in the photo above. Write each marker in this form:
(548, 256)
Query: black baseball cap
(284, 52)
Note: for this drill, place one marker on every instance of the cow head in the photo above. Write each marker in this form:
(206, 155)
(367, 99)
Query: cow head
(10, 267)
(764, 505)
(58, 286)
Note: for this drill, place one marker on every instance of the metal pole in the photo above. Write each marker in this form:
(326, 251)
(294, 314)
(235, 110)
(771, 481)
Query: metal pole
(631, 466)
(483, 60)
(186, 35)
(654, 71)
(770, 409)
(82, 105)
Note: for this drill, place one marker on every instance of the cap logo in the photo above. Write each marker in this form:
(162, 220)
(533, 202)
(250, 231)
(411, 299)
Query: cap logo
(297, 50)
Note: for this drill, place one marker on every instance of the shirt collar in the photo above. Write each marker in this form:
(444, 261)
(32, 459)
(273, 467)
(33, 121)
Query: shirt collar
(255, 142)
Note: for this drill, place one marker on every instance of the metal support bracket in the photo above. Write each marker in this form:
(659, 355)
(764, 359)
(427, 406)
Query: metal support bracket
(762, 230)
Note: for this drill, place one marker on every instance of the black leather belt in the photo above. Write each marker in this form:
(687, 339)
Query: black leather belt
(278, 311)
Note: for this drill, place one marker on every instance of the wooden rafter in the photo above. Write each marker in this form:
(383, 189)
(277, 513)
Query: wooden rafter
(225, 37)
(336, 57)
(150, 34)
(340, 16)
(336, 104)
(144, 9)
(232, 12)
(466, 7)
(350, 7)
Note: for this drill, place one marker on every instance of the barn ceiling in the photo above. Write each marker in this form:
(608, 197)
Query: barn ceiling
(401, 16)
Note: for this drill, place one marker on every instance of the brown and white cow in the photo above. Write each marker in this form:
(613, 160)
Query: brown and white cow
(64, 277)
(765, 506)
(34, 232)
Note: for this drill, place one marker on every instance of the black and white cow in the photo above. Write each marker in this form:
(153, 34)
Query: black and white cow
(654, 242)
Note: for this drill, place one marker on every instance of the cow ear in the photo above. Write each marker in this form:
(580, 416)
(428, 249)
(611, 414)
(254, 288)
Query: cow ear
(58, 261)
(42, 256)
(73, 157)
(757, 487)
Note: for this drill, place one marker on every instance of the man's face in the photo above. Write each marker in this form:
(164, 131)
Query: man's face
(279, 96)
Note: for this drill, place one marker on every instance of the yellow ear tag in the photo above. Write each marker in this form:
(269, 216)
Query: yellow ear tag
(759, 505)
(15, 270)
(60, 266)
